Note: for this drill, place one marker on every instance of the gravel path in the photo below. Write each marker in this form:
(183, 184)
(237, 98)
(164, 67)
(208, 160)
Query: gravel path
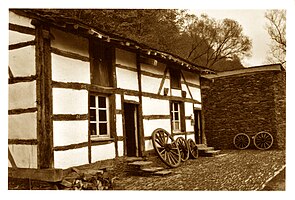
(231, 171)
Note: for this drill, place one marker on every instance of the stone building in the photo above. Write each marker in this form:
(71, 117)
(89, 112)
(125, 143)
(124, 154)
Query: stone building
(247, 101)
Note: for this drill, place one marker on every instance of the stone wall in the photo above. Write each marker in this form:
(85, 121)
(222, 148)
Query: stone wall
(280, 108)
(244, 103)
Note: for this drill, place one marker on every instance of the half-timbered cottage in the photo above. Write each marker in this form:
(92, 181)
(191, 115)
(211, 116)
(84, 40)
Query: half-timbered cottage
(78, 95)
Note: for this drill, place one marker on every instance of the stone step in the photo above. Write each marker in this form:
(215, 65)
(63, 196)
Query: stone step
(163, 172)
(205, 149)
(140, 163)
(133, 159)
(152, 169)
(210, 153)
(201, 145)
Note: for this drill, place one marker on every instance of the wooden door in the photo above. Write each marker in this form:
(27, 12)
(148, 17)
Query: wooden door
(198, 126)
(131, 129)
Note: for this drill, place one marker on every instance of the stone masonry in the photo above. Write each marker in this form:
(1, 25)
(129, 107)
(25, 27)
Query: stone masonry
(246, 102)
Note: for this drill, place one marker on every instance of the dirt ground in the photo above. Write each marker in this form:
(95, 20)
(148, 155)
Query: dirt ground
(232, 170)
(278, 183)
(244, 170)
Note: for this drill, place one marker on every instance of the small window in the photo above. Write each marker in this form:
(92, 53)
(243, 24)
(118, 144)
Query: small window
(99, 116)
(177, 116)
(101, 64)
(175, 78)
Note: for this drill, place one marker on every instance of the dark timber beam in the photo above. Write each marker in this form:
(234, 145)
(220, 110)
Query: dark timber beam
(44, 98)
(50, 175)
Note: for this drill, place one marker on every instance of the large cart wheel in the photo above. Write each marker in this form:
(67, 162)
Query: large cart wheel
(183, 148)
(263, 140)
(241, 141)
(193, 149)
(166, 147)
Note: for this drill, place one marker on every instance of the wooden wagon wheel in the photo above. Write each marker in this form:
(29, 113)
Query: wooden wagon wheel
(166, 147)
(263, 140)
(183, 148)
(193, 149)
(241, 141)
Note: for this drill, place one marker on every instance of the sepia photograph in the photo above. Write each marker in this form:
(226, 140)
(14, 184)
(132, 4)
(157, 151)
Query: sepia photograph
(147, 98)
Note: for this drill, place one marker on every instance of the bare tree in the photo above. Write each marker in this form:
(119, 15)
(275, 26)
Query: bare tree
(213, 41)
(276, 27)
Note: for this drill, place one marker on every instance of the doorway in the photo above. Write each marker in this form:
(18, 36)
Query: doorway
(131, 129)
(198, 126)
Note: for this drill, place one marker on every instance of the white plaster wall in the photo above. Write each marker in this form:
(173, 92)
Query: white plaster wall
(196, 92)
(188, 108)
(120, 148)
(151, 106)
(189, 126)
(150, 125)
(119, 124)
(191, 77)
(131, 98)
(69, 42)
(69, 101)
(22, 61)
(17, 37)
(20, 20)
(184, 88)
(69, 70)
(178, 136)
(22, 126)
(22, 95)
(191, 136)
(150, 84)
(103, 152)
(70, 158)
(175, 92)
(159, 69)
(69, 132)
(166, 85)
(198, 106)
(148, 145)
(126, 79)
(118, 102)
(25, 156)
(125, 58)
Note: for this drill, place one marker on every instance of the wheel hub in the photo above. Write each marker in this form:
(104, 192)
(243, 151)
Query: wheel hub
(168, 147)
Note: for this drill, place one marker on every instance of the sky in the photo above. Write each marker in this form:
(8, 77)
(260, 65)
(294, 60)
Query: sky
(253, 23)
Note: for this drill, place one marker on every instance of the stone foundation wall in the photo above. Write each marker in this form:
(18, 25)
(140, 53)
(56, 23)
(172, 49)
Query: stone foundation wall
(280, 108)
(244, 103)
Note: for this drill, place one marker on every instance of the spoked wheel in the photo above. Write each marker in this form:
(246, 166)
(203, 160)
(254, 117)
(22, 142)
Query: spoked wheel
(263, 140)
(166, 147)
(183, 148)
(193, 149)
(241, 141)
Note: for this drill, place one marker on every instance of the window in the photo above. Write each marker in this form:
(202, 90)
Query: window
(175, 112)
(177, 116)
(99, 116)
(175, 78)
(101, 64)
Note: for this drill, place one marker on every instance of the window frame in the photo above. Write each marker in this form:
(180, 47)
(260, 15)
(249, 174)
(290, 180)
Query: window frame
(180, 114)
(97, 121)
(175, 113)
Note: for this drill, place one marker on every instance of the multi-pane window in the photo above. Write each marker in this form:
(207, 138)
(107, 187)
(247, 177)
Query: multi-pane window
(99, 116)
(175, 113)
